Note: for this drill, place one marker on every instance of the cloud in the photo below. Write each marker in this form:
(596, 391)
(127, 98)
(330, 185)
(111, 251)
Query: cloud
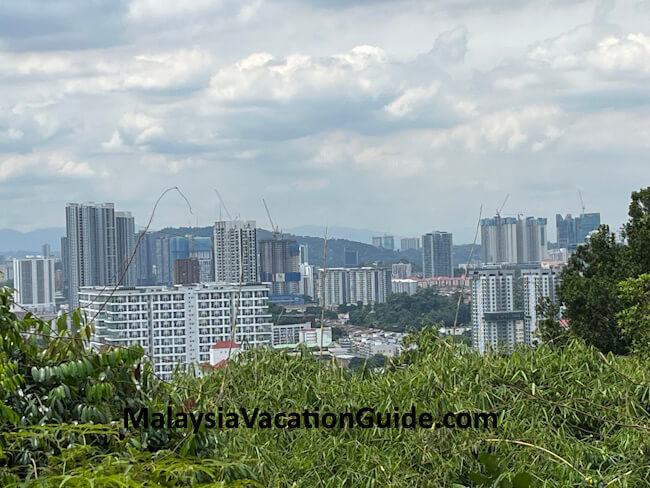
(630, 54)
(55, 165)
(261, 76)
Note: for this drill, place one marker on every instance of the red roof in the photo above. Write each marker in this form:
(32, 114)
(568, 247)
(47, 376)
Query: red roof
(226, 345)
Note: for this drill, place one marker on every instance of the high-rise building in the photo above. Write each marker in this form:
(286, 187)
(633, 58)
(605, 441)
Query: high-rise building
(401, 270)
(437, 254)
(187, 271)
(386, 242)
(47, 252)
(178, 325)
(538, 283)
(499, 240)
(34, 284)
(405, 285)
(409, 243)
(350, 257)
(531, 240)
(125, 235)
(92, 246)
(345, 286)
(235, 251)
(495, 322)
(201, 249)
(280, 265)
(572, 231)
(304, 254)
(145, 263)
(307, 285)
(65, 261)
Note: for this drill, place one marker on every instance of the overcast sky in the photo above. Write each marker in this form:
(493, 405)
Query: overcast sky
(402, 117)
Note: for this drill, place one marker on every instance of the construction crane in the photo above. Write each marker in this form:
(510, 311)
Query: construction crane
(223, 204)
(274, 228)
(502, 205)
(582, 202)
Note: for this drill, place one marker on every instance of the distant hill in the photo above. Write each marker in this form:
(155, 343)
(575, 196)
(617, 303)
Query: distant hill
(20, 243)
(335, 246)
(347, 233)
(17, 243)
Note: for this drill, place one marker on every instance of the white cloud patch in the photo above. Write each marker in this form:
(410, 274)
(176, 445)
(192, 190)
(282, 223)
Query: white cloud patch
(629, 54)
(260, 76)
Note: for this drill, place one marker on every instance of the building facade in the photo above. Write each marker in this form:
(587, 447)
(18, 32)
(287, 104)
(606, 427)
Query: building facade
(495, 321)
(538, 284)
(34, 287)
(401, 270)
(437, 254)
(499, 240)
(91, 247)
(126, 238)
(280, 265)
(532, 240)
(409, 243)
(178, 325)
(235, 251)
(573, 231)
(405, 285)
(344, 286)
(187, 271)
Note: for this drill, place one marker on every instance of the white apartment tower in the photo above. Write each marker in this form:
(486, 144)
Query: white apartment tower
(495, 322)
(178, 325)
(34, 284)
(538, 283)
(352, 285)
(235, 251)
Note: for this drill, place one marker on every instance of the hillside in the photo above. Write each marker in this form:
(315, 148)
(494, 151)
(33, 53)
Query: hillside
(335, 247)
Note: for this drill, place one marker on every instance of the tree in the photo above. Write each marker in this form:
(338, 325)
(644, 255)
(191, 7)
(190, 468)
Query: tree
(634, 318)
(589, 291)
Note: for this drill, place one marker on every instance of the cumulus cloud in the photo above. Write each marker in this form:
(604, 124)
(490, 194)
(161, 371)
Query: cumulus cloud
(260, 76)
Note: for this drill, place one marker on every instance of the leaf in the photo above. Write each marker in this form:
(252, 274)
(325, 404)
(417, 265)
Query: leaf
(522, 480)
(490, 462)
(480, 479)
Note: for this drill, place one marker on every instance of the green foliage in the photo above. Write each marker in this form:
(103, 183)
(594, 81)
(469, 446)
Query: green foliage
(589, 291)
(567, 416)
(598, 307)
(634, 318)
(402, 312)
(549, 329)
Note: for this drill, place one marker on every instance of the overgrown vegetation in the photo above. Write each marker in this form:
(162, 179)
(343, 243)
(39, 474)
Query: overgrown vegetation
(567, 417)
(402, 312)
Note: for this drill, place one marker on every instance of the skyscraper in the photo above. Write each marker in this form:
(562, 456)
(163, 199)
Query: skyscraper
(34, 284)
(92, 246)
(125, 235)
(531, 240)
(499, 240)
(235, 251)
(386, 242)
(280, 265)
(409, 243)
(436, 254)
(572, 231)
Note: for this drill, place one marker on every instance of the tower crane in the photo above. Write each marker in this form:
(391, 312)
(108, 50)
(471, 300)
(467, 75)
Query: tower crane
(502, 205)
(274, 228)
(582, 202)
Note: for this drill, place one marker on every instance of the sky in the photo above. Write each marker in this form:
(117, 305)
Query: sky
(402, 117)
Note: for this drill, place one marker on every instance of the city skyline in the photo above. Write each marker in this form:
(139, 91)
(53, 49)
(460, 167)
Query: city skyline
(364, 102)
